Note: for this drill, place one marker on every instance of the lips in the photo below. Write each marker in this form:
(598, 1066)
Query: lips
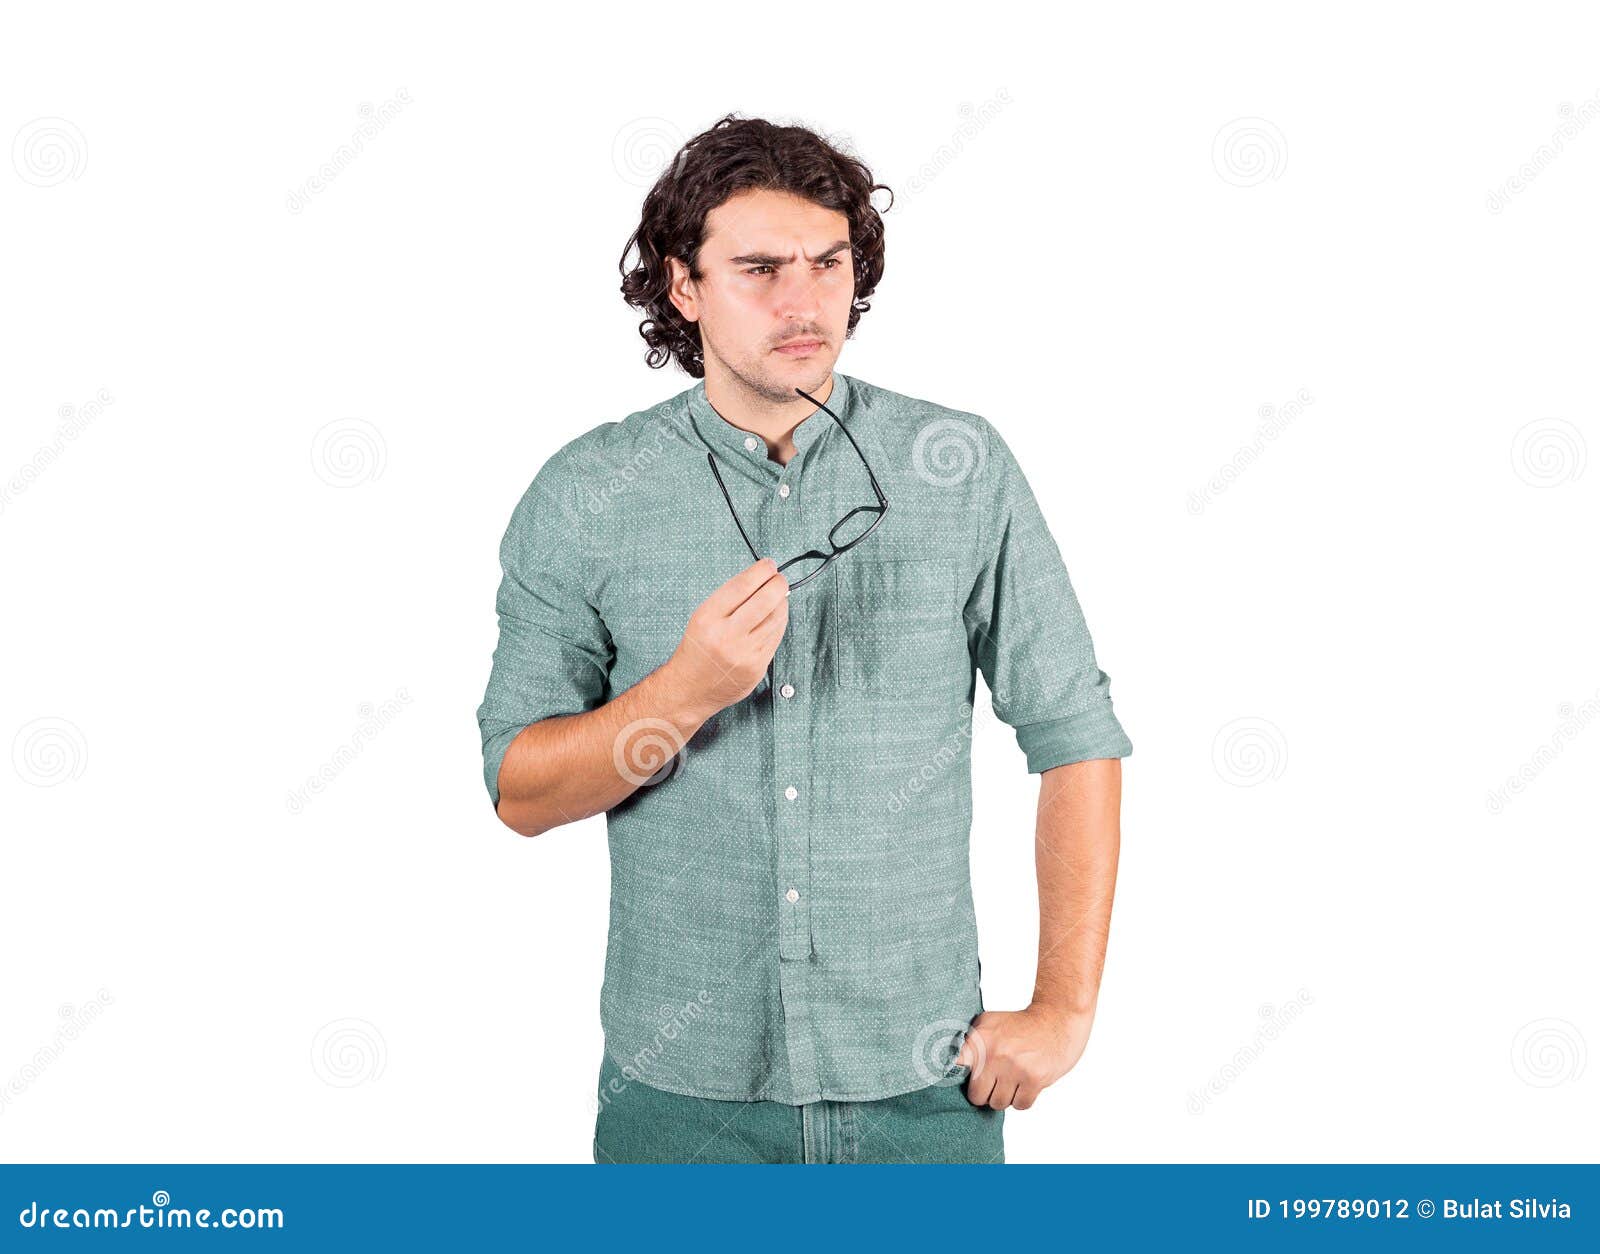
(799, 348)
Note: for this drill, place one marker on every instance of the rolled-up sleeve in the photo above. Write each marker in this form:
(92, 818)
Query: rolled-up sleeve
(554, 653)
(1027, 632)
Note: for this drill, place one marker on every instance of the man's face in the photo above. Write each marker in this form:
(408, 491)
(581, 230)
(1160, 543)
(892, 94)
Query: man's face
(778, 269)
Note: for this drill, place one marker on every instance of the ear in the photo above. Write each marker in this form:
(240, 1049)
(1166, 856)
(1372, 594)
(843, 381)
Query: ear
(680, 290)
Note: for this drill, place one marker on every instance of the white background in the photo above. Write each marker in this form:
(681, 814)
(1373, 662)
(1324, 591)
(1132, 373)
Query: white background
(1128, 239)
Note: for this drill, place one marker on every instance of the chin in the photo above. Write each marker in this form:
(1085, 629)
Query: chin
(809, 373)
(818, 367)
(814, 377)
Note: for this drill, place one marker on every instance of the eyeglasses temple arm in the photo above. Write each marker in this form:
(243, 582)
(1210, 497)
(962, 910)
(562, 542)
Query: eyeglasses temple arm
(712, 461)
(882, 500)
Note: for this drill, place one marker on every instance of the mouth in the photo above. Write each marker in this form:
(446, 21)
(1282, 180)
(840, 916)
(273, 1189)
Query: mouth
(799, 348)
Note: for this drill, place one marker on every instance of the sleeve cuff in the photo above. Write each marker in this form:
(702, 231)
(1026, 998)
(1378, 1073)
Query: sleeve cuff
(1093, 733)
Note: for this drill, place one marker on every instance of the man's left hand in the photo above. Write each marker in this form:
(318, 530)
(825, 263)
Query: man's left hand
(1017, 1054)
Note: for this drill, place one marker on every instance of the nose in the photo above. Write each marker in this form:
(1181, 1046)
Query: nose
(798, 299)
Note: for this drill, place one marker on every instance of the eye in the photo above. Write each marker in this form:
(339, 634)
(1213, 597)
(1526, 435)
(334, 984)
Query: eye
(832, 263)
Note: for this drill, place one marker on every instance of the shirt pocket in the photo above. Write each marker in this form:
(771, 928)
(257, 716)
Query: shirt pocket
(897, 625)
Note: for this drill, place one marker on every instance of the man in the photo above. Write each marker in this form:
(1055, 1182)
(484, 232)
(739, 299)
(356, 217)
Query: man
(780, 745)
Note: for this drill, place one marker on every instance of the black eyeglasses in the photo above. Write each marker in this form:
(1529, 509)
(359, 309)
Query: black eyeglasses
(840, 537)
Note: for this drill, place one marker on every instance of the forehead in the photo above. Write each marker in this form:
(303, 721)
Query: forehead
(772, 222)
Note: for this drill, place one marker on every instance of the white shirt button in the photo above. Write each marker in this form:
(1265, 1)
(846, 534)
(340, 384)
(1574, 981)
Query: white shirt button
(787, 690)
(791, 792)
(783, 489)
(750, 443)
(791, 895)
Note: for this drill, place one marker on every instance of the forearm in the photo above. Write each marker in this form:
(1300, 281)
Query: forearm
(1076, 846)
(563, 769)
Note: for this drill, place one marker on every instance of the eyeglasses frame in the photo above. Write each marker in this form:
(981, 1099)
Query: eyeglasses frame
(881, 508)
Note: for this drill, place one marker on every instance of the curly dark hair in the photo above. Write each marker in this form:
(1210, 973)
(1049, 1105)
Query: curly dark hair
(736, 155)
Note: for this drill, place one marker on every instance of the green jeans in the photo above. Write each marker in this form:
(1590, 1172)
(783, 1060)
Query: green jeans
(937, 1124)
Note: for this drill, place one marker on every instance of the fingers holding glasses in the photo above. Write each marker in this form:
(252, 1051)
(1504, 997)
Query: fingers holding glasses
(732, 635)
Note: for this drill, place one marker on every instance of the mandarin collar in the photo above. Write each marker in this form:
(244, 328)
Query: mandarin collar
(737, 443)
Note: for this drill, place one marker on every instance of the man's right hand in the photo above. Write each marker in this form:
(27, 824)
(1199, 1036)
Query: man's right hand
(566, 767)
(731, 638)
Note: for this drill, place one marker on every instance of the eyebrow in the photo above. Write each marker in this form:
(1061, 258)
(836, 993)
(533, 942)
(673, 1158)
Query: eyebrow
(769, 259)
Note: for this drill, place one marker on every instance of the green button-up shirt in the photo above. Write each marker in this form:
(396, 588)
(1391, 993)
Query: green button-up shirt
(791, 908)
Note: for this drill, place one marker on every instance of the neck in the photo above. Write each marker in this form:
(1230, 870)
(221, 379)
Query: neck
(750, 410)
